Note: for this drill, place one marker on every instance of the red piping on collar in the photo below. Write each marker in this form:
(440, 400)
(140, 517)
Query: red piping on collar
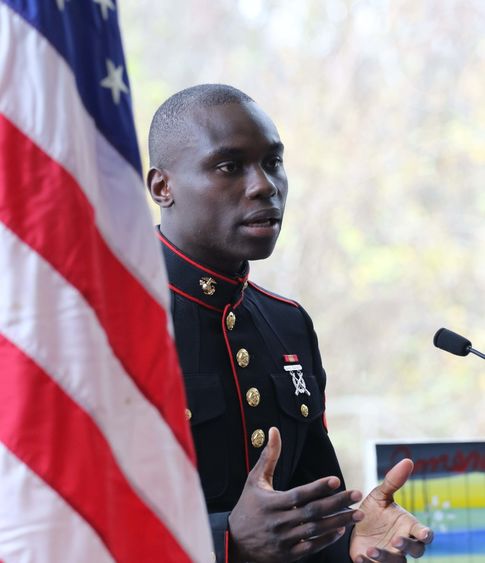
(198, 301)
(173, 248)
(277, 297)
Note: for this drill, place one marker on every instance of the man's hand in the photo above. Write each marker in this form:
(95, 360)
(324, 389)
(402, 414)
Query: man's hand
(268, 526)
(388, 533)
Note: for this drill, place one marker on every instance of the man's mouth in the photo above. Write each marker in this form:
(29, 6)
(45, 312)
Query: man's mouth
(263, 218)
(261, 223)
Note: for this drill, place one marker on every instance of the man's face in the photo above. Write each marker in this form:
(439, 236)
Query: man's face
(228, 186)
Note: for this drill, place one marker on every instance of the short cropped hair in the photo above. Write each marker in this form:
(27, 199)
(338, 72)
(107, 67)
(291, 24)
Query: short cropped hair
(169, 122)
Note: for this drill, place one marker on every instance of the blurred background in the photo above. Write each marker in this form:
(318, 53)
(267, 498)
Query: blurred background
(380, 104)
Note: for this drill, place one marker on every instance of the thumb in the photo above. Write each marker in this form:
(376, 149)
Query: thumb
(264, 469)
(396, 477)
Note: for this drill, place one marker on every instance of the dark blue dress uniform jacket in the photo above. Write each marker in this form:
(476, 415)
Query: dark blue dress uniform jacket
(234, 341)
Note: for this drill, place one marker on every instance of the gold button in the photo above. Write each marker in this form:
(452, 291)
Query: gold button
(188, 414)
(242, 358)
(253, 397)
(304, 410)
(230, 320)
(245, 285)
(257, 438)
(208, 285)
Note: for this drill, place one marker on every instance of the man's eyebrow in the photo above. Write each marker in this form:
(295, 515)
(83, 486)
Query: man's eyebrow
(277, 147)
(224, 152)
(234, 152)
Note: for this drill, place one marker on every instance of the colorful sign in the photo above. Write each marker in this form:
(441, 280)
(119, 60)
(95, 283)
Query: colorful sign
(446, 492)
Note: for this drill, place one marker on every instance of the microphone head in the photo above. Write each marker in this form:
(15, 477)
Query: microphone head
(451, 342)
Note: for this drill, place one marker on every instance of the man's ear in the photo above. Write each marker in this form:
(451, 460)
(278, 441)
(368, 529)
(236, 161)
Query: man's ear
(159, 186)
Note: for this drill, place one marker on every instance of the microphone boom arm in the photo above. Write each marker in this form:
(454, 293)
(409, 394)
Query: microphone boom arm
(476, 352)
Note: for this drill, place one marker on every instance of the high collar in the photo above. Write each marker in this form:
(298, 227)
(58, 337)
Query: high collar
(206, 286)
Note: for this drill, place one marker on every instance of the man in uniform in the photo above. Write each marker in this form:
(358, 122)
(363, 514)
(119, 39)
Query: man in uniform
(250, 359)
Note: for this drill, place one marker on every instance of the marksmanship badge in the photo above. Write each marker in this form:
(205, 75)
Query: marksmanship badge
(296, 372)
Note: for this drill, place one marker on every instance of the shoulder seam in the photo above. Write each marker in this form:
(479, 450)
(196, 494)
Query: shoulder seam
(273, 295)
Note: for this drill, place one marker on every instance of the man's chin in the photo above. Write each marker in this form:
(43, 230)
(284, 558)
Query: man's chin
(262, 252)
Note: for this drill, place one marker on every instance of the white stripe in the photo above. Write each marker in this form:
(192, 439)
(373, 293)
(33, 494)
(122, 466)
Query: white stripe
(50, 112)
(295, 367)
(51, 322)
(37, 525)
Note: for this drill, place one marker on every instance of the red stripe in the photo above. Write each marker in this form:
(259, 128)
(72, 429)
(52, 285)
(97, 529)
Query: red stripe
(239, 301)
(198, 301)
(51, 434)
(44, 206)
(324, 417)
(238, 390)
(173, 248)
(290, 358)
(226, 546)
(272, 295)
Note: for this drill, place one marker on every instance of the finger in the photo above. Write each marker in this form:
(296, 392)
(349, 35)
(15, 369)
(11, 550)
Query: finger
(311, 546)
(264, 469)
(375, 554)
(422, 533)
(409, 546)
(395, 478)
(323, 526)
(415, 545)
(315, 491)
(326, 507)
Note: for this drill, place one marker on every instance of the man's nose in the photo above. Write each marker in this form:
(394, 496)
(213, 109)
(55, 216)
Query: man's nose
(260, 184)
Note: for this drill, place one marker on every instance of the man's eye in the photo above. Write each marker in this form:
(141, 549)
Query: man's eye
(229, 167)
(274, 162)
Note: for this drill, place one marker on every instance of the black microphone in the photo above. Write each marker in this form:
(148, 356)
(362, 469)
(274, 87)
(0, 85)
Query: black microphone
(454, 343)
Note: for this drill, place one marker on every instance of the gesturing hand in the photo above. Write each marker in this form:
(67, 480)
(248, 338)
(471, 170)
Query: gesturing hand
(269, 526)
(388, 532)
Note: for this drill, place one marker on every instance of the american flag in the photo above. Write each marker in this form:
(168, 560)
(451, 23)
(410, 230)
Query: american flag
(96, 458)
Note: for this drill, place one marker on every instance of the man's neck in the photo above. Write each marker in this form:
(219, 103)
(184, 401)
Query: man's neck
(205, 259)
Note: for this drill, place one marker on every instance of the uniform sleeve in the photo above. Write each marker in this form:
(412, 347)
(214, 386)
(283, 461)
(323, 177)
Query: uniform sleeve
(220, 535)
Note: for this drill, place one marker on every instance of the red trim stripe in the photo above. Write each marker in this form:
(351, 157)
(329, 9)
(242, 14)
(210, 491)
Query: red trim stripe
(226, 546)
(174, 249)
(75, 460)
(324, 417)
(239, 301)
(65, 235)
(272, 295)
(238, 389)
(194, 299)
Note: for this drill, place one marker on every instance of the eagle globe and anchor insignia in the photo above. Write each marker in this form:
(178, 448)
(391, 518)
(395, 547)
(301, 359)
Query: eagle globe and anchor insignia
(296, 372)
(208, 285)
